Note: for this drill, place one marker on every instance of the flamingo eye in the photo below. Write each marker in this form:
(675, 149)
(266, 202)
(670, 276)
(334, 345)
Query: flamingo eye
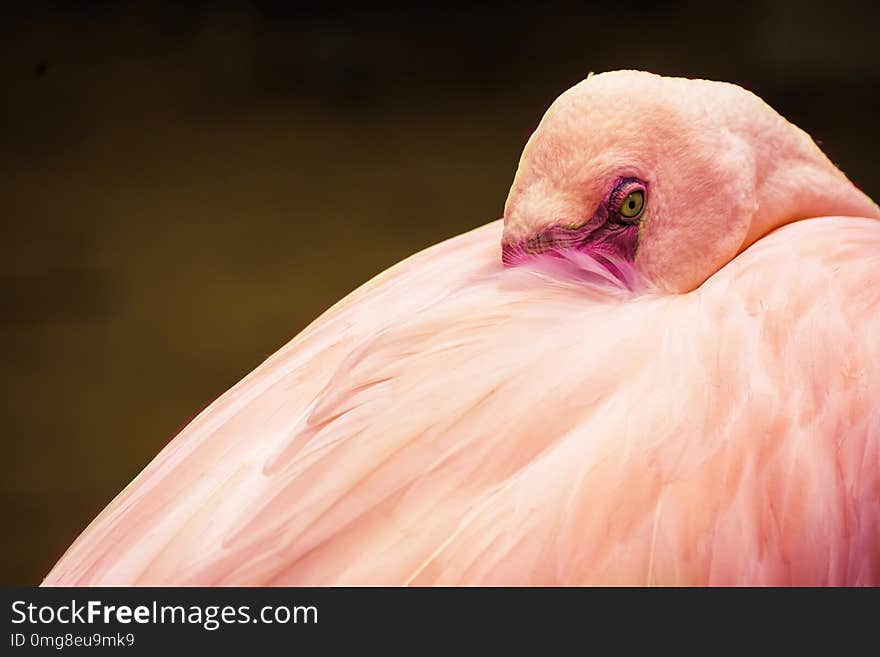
(632, 205)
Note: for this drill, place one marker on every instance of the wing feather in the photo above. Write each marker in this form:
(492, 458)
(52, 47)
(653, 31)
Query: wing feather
(453, 422)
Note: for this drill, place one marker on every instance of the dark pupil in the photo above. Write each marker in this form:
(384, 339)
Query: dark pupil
(632, 204)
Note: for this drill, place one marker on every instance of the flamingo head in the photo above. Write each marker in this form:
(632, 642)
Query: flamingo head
(668, 177)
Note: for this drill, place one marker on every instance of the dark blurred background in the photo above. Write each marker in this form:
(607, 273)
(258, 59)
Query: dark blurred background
(185, 186)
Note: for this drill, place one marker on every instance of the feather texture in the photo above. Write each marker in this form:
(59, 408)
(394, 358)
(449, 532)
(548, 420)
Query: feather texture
(456, 422)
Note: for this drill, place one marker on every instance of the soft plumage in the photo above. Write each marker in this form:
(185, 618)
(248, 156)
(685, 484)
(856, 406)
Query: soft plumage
(462, 421)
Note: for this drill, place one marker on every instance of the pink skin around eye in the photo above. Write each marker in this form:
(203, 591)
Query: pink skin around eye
(606, 236)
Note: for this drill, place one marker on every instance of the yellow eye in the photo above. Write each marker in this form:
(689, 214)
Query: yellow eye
(632, 204)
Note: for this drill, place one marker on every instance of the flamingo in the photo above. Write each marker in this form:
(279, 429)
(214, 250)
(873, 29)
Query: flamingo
(660, 367)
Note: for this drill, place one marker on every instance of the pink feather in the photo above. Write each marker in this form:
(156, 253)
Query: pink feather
(456, 422)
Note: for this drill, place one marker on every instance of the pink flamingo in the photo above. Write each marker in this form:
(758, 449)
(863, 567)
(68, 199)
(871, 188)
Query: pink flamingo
(669, 373)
